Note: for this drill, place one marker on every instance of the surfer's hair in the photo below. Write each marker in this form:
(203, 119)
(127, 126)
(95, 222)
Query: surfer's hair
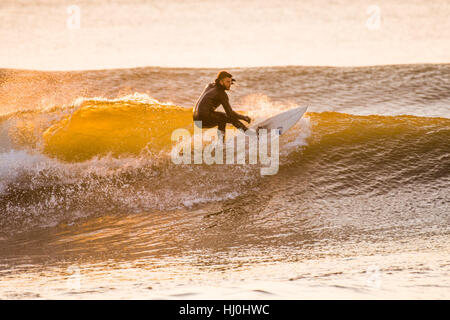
(223, 74)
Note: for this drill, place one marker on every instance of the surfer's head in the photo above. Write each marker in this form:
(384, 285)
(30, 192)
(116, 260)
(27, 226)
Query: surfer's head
(225, 79)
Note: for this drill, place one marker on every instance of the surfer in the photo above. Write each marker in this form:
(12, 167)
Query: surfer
(212, 96)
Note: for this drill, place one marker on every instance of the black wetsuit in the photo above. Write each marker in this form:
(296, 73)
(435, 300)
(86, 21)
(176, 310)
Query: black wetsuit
(212, 96)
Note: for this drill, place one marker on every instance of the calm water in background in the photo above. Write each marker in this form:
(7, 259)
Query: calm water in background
(359, 208)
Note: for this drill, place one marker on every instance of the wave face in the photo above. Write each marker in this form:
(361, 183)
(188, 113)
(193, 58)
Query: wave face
(97, 128)
(366, 150)
(83, 163)
(100, 155)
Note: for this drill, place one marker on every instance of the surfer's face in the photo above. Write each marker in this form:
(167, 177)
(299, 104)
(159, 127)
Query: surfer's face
(226, 83)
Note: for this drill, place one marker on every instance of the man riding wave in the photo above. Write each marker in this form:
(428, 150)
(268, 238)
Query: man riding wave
(213, 96)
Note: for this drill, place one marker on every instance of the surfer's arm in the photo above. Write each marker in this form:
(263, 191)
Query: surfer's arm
(230, 112)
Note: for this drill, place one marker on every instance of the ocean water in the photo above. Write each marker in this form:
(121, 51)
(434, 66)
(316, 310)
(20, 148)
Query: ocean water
(91, 205)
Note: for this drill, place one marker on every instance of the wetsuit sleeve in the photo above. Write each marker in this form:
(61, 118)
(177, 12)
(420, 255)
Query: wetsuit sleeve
(227, 107)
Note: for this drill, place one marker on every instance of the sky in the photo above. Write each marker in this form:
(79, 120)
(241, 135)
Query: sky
(102, 34)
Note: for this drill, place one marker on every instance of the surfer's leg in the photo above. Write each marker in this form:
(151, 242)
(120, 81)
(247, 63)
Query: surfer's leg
(205, 123)
(214, 120)
(221, 130)
(221, 135)
(222, 120)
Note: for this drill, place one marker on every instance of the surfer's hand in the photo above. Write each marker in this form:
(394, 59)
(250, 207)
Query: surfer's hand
(247, 119)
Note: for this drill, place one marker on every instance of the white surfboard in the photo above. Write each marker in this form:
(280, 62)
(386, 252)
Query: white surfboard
(282, 121)
(258, 138)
